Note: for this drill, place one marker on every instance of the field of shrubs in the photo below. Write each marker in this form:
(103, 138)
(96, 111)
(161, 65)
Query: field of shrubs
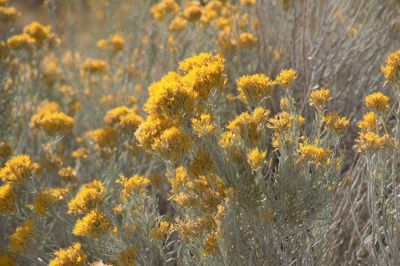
(204, 132)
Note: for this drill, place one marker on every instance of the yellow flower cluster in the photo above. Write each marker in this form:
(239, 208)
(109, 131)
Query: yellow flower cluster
(114, 43)
(123, 118)
(17, 169)
(161, 231)
(134, 184)
(172, 143)
(319, 98)
(311, 153)
(94, 66)
(203, 126)
(48, 198)
(161, 9)
(377, 102)
(368, 141)
(88, 197)
(336, 123)
(94, 224)
(19, 239)
(391, 69)
(252, 89)
(286, 78)
(72, 255)
(7, 199)
(256, 158)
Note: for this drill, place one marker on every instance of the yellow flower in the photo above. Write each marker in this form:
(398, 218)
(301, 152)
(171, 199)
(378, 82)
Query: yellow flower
(93, 225)
(161, 231)
(280, 121)
(7, 199)
(54, 123)
(210, 245)
(7, 259)
(123, 118)
(203, 73)
(368, 122)
(133, 184)
(5, 149)
(48, 197)
(370, 141)
(246, 39)
(38, 32)
(260, 115)
(127, 256)
(228, 140)
(286, 77)
(336, 123)
(245, 126)
(319, 98)
(284, 104)
(104, 137)
(311, 153)
(151, 129)
(17, 169)
(192, 11)
(88, 197)
(8, 14)
(203, 126)
(68, 174)
(248, 2)
(170, 97)
(21, 41)
(160, 10)
(94, 66)
(391, 69)
(179, 179)
(377, 102)
(115, 43)
(71, 256)
(256, 158)
(252, 89)
(19, 239)
(172, 144)
(177, 24)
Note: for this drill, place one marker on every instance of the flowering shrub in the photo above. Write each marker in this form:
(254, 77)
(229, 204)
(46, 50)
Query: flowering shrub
(199, 133)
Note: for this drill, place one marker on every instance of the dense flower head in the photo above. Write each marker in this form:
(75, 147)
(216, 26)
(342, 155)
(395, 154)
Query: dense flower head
(8, 14)
(170, 97)
(103, 137)
(246, 39)
(256, 158)
(311, 153)
(203, 126)
(283, 121)
(248, 2)
(177, 24)
(319, 98)
(192, 11)
(115, 43)
(21, 42)
(245, 126)
(368, 122)
(7, 259)
(94, 224)
(19, 239)
(40, 33)
(88, 197)
(391, 69)
(286, 78)
(203, 73)
(94, 66)
(161, 9)
(71, 256)
(260, 115)
(49, 197)
(7, 199)
(151, 129)
(123, 118)
(172, 144)
(253, 88)
(17, 169)
(53, 123)
(5, 149)
(336, 123)
(369, 141)
(377, 102)
(134, 184)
